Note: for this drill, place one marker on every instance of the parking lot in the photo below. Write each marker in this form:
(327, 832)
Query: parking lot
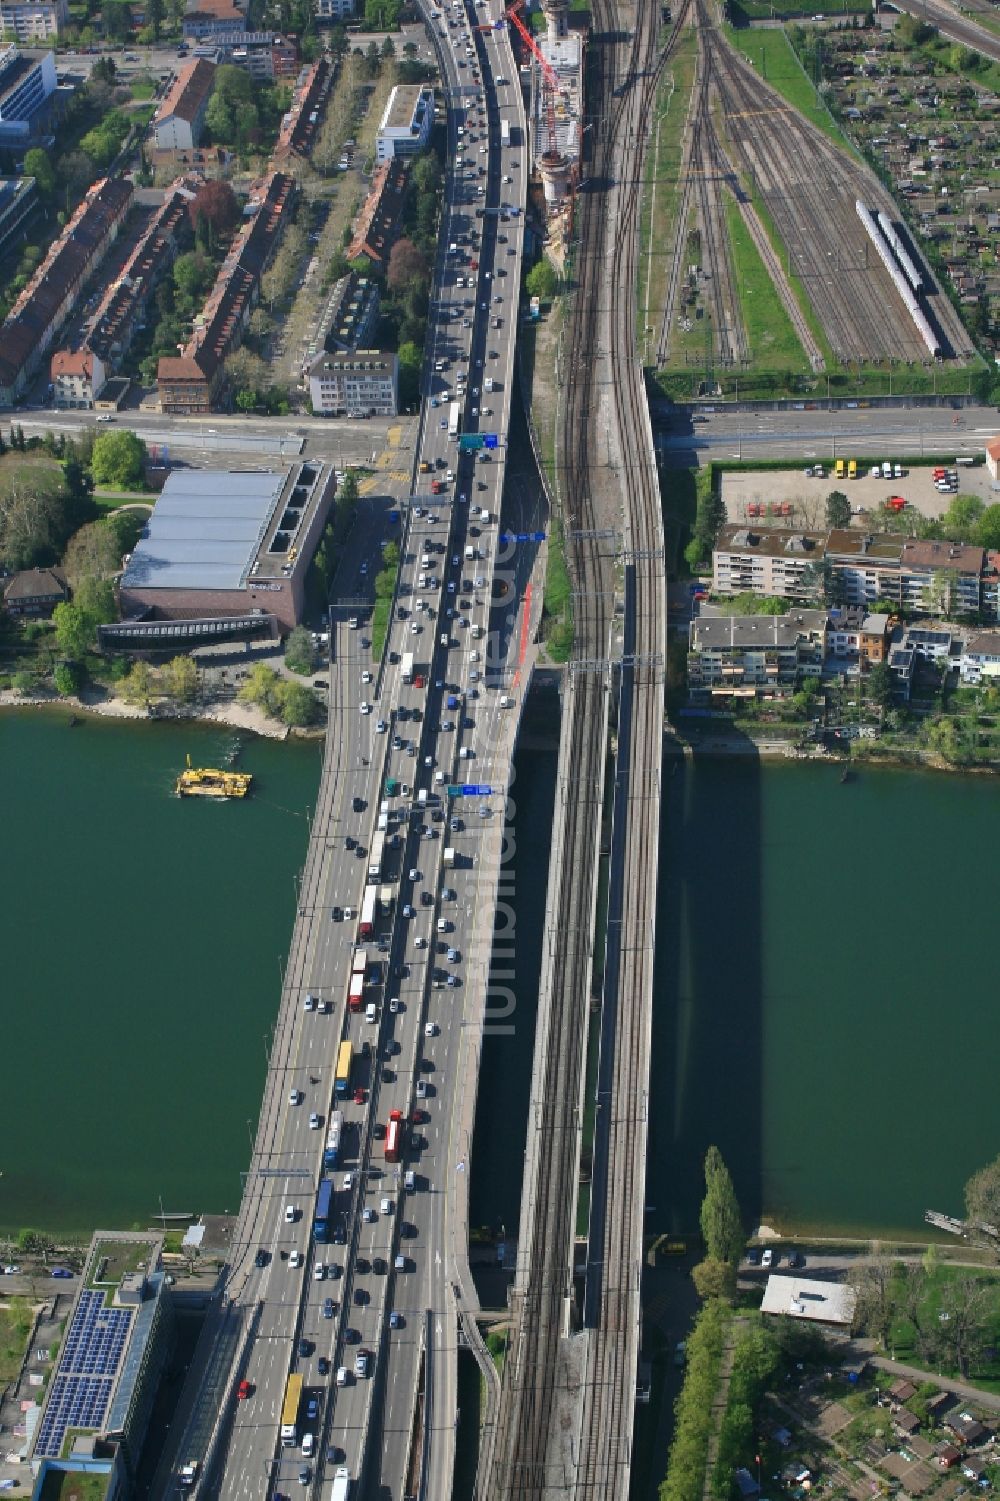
(807, 496)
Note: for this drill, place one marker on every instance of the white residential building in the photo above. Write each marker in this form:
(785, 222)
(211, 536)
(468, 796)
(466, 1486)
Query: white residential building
(405, 127)
(334, 10)
(362, 382)
(34, 21)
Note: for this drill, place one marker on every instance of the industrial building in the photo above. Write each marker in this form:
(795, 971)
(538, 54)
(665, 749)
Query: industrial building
(232, 546)
(405, 127)
(355, 383)
(117, 1343)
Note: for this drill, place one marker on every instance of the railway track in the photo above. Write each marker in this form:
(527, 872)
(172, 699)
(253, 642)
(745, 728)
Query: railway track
(529, 1455)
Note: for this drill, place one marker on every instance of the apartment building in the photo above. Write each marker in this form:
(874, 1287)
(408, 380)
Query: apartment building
(745, 654)
(79, 375)
(212, 18)
(190, 382)
(377, 224)
(405, 127)
(43, 307)
(358, 383)
(34, 21)
(855, 635)
(27, 84)
(262, 54)
(858, 567)
(299, 126)
(334, 10)
(766, 561)
(980, 659)
(351, 312)
(178, 122)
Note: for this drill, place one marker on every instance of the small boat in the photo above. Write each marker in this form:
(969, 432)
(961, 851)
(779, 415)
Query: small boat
(209, 781)
(847, 775)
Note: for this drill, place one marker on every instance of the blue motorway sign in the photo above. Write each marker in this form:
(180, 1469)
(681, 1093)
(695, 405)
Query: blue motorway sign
(469, 789)
(490, 440)
(521, 537)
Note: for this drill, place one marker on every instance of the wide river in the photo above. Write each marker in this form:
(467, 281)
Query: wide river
(826, 999)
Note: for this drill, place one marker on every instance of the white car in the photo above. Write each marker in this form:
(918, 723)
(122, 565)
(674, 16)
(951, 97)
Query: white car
(290, 1214)
(295, 1097)
(296, 1259)
(430, 1029)
(394, 1006)
(421, 942)
(381, 727)
(314, 1122)
(366, 676)
(319, 1272)
(348, 1182)
(366, 708)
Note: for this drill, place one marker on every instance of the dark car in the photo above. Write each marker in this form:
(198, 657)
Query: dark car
(305, 1348)
(262, 1257)
(362, 1265)
(358, 805)
(796, 1258)
(328, 1308)
(380, 1266)
(753, 1258)
(323, 1366)
(60, 1271)
(335, 1455)
(361, 1296)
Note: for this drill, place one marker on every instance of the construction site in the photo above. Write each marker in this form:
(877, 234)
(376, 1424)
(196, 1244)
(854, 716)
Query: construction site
(555, 111)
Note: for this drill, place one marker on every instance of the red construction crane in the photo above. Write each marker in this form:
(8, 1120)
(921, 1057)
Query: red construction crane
(551, 81)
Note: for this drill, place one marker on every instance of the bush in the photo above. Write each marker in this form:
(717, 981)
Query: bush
(685, 1478)
(66, 677)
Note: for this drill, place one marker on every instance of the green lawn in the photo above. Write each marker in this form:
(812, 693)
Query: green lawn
(773, 340)
(775, 61)
(764, 10)
(558, 601)
(119, 1257)
(60, 1486)
(985, 1372)
(15, 1326)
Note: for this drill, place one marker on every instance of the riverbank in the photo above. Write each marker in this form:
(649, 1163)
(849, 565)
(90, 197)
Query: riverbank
(864, 754)
(233, 715)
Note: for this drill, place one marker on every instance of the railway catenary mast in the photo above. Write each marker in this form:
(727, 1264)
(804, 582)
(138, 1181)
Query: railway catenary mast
(899, 281)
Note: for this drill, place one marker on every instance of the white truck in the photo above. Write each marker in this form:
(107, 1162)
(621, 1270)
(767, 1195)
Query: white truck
(407, 667)
(340, 1489)
(449, 857)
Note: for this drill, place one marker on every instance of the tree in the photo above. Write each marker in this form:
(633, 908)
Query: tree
(714, 1279)
(988, 529)
(66, 677)
(154, 17)
(410, 361)
(261, 687)
(838, 509)
(38, 166)
(137, 687)
(76, 169)
(219, 120)
(181, 680)
(117, 20)
(982, 1195)
(959, 523)
(75, 630)
(720, 1213)
(299, 654)
(875, 1305)
(194, 272)
(298, 705)
(964, 1318)
(542, 282)
(406, 265)
(118, 460)
(880, 685)
(92, 552)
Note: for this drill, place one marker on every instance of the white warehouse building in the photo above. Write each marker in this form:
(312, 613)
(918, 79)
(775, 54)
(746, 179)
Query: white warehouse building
(360, 382)
(406, 124)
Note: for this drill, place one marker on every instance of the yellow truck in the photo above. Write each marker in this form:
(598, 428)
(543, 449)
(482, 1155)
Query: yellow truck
(840, 469)
(852, 469)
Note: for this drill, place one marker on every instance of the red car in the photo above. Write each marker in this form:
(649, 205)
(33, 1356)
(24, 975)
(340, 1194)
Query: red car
(243, 1391)
(359, 1097)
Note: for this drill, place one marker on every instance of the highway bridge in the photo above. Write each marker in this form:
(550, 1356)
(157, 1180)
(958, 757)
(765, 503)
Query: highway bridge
(366, 1308)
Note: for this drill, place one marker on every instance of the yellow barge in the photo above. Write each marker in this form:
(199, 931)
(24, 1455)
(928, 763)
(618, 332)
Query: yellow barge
(207, 781)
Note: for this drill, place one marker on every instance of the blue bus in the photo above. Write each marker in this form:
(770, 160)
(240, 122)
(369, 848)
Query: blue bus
(321, 1218)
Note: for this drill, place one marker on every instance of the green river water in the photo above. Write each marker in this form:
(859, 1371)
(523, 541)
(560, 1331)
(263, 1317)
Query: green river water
(141, 939)
(825, 991)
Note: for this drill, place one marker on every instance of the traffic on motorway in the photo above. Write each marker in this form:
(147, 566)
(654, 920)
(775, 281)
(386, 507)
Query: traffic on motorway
(342, 1227)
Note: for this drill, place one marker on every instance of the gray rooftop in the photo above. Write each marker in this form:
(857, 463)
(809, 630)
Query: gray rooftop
(205, 530)
(729, 632)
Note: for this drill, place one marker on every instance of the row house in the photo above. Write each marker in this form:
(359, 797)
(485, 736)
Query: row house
(298, 126)
(746, 653)
(190, 382)
(54, 291)
(378, 222)
(78, 375)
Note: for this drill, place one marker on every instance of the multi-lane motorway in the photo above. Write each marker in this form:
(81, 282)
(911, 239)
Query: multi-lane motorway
(355, 1316)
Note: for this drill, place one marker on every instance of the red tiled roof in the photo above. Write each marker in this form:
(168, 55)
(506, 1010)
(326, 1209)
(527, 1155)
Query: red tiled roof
(188, 92)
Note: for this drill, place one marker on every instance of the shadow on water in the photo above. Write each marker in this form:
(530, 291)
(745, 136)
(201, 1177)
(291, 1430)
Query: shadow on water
(707, 1023)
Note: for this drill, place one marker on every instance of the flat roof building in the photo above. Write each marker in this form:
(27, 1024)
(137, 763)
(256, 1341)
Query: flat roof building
(348, 320)
(830, 1303)
(355, 383)
(405, 127)
(117, 1343)
(33, 20)
(224, 544)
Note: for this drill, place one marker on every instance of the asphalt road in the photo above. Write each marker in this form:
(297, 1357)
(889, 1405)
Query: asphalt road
(819, 435)
(443, 592)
